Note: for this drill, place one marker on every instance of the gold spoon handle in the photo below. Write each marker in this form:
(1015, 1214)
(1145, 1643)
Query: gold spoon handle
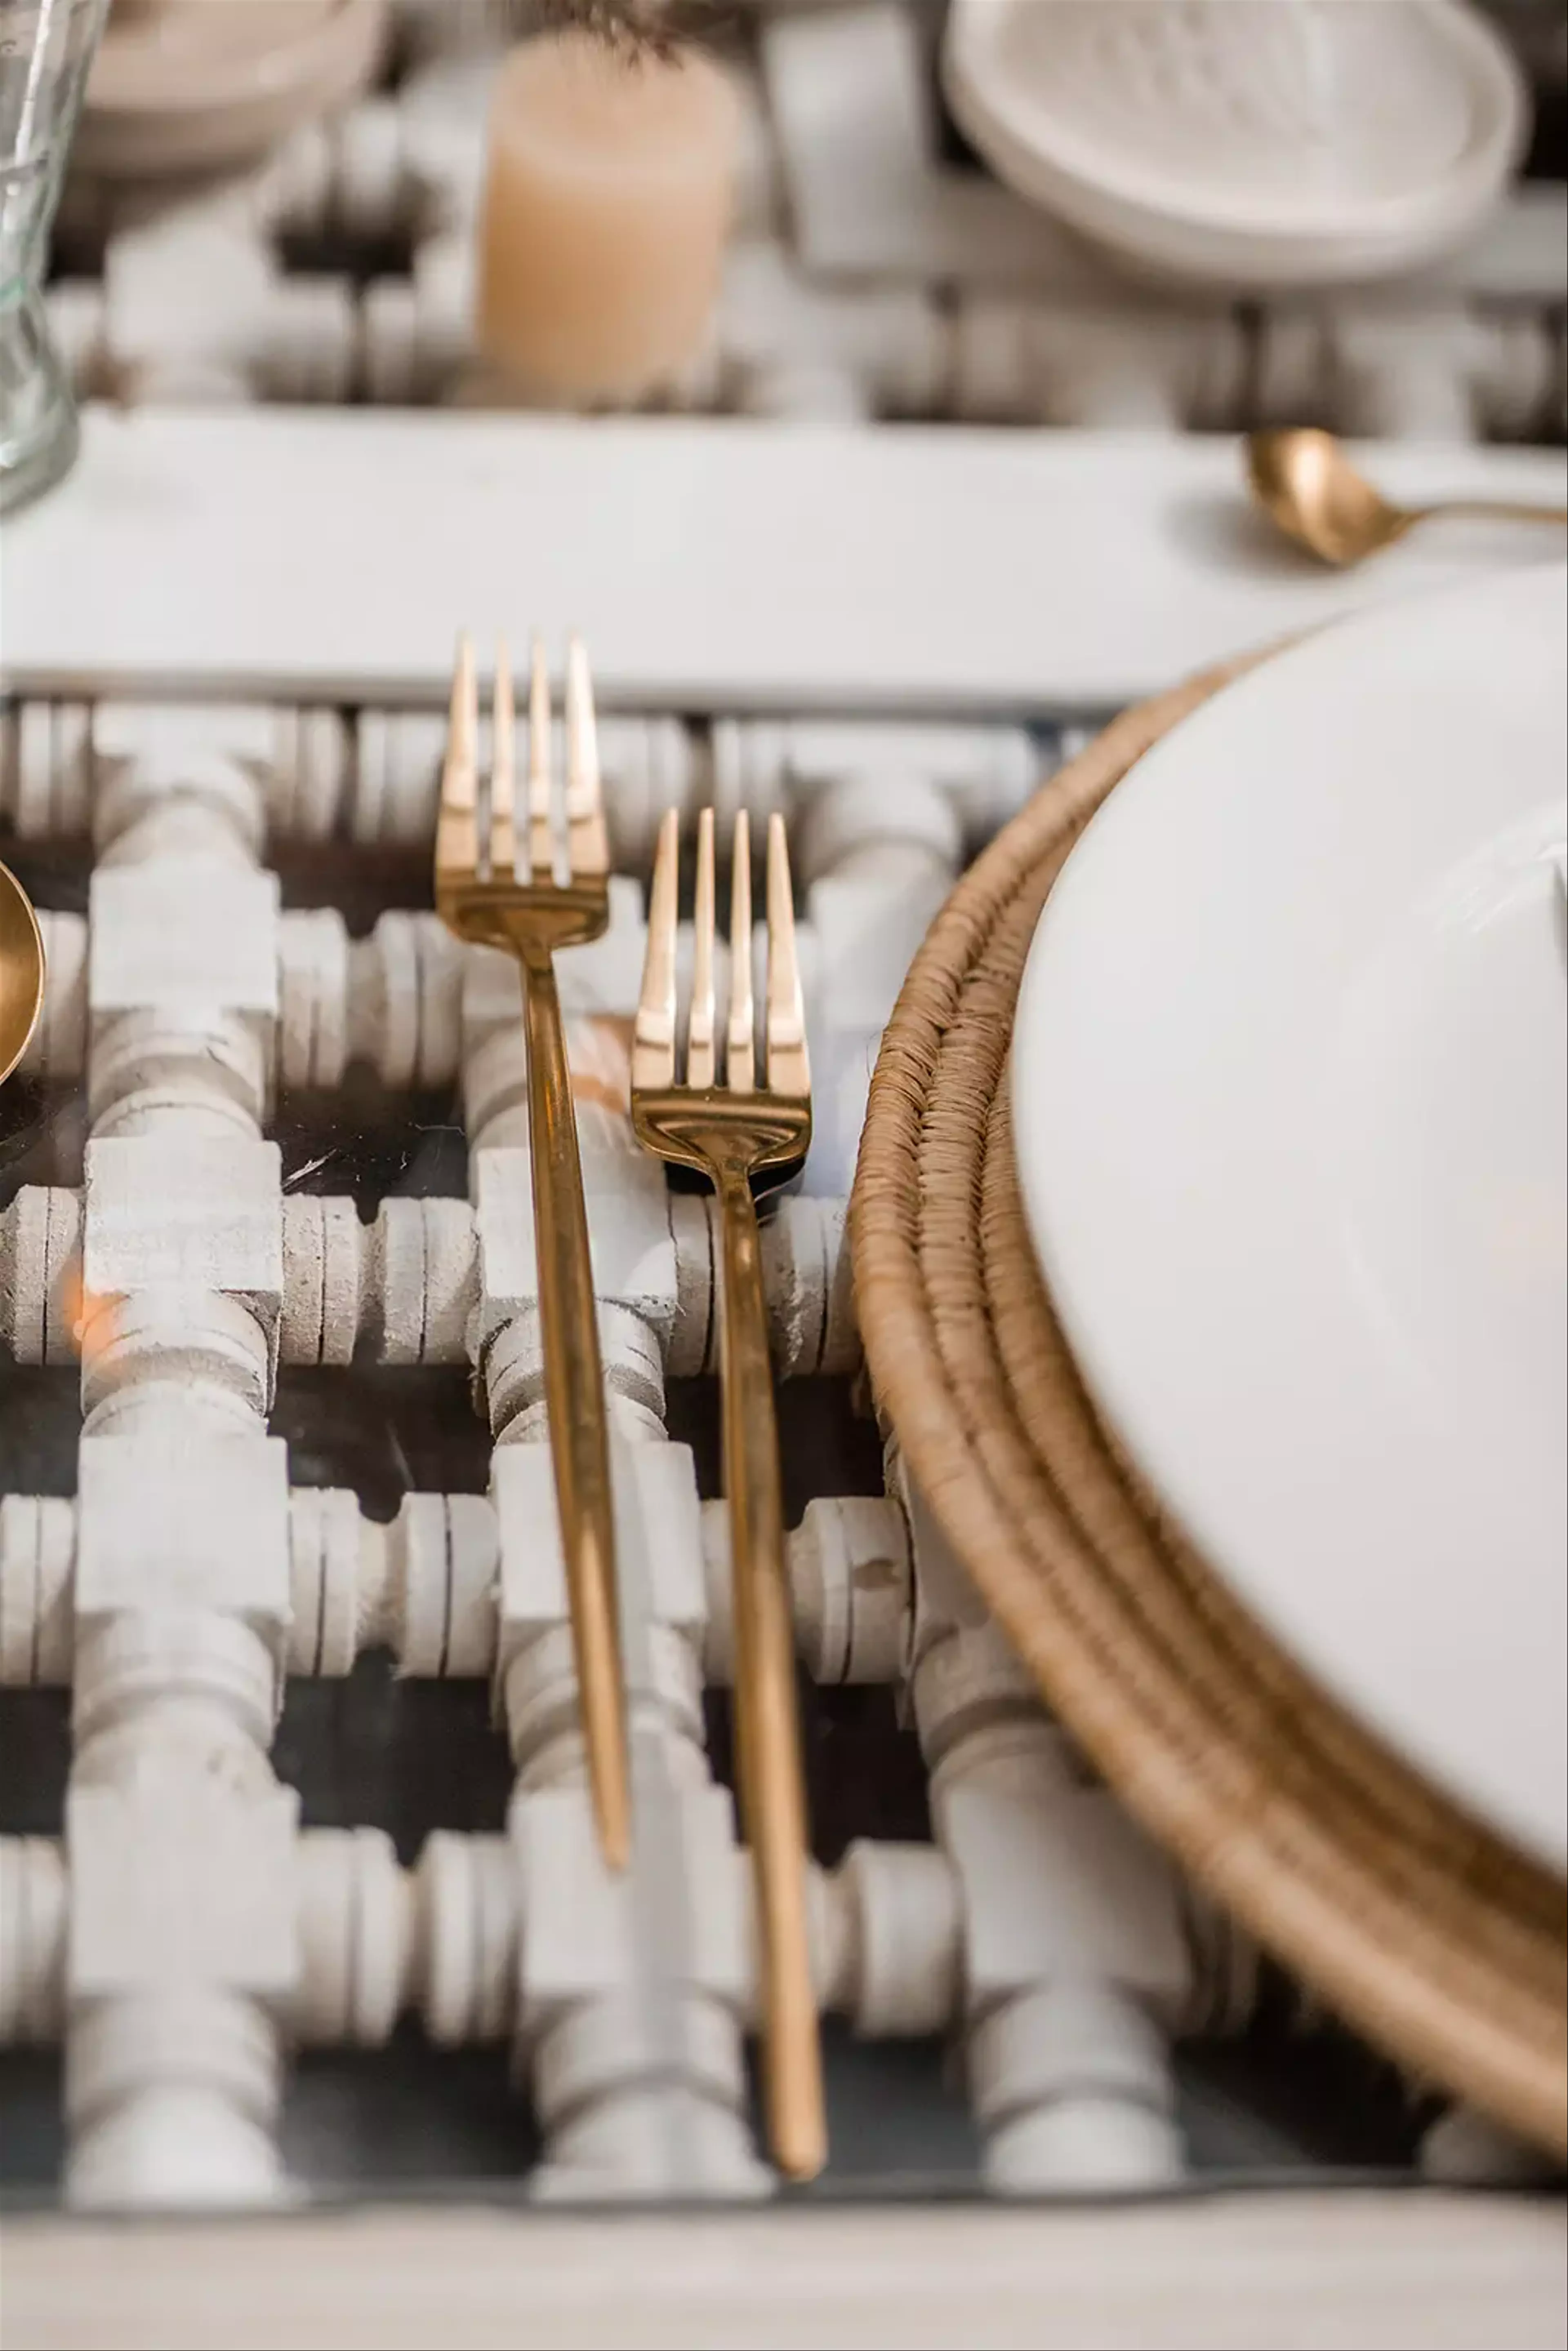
(1494, 510)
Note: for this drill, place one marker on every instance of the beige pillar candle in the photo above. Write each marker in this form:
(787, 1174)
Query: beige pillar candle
(606, 207)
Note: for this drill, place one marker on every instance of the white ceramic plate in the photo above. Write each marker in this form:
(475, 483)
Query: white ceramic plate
(1290, 1085)
(1247, 142)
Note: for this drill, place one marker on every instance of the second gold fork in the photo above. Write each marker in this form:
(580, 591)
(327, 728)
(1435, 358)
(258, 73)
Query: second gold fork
(747, 1131)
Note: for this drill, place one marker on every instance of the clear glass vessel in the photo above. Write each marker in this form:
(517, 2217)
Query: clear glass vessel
(45, 52)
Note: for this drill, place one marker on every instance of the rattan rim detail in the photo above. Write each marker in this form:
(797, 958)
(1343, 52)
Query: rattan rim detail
(1441, 1943)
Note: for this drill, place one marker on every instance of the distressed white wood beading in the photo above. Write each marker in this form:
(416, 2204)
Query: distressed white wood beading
(185, 1933)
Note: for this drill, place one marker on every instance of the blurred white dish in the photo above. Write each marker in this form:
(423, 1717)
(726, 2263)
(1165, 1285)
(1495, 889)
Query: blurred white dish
(186, 86)
(1251, 142)
(1290, 1087)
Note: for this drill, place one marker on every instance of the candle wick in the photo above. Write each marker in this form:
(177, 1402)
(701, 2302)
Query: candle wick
(638, 29)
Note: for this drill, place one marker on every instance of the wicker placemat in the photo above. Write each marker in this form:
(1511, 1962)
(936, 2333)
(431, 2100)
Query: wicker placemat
(1439, 1943)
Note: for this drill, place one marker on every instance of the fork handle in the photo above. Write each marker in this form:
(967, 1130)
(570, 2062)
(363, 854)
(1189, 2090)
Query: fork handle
(768, 1729)
(574, 1398)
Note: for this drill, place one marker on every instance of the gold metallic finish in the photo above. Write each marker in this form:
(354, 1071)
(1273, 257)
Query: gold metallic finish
(784, 1019)
(21, 972)
(740, 1034)
(702, 1046)
(480, 897)
(584, 794)
(654, 1032)
(1305, 483)
(503, 861)
(457, 823)
(745, 1140)
(541, 815)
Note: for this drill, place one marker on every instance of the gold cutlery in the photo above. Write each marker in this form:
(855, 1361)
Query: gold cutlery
(1306, 486)
(747, 1132)
(495, 885)
(21, 972)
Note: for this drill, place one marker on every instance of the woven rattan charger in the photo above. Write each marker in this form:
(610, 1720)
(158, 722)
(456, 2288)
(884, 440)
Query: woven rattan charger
(1442, 1945)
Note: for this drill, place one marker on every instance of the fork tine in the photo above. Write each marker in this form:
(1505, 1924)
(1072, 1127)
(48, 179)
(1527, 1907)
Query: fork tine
(654, 1036)
(702, 1060)
(458, 832)
(589, 848)
(786, 1065)
(741, 1038)
(540, 863)
(503, 774)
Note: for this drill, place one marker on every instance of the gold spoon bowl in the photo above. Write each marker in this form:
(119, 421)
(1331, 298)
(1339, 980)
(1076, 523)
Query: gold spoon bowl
(1306, 486)
(21, 971)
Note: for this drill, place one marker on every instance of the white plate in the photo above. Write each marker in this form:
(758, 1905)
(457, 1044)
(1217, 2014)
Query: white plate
(1290, 1085)
(1251, 142)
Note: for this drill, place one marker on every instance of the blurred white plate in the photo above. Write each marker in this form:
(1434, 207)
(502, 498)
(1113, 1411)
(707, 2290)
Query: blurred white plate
(1291, 1085)
(1252, 142)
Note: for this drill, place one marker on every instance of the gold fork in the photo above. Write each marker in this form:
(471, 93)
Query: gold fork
(747, 1138)
(497, 888)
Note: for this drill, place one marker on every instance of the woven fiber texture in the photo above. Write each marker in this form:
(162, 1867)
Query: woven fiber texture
(1437, 1942)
